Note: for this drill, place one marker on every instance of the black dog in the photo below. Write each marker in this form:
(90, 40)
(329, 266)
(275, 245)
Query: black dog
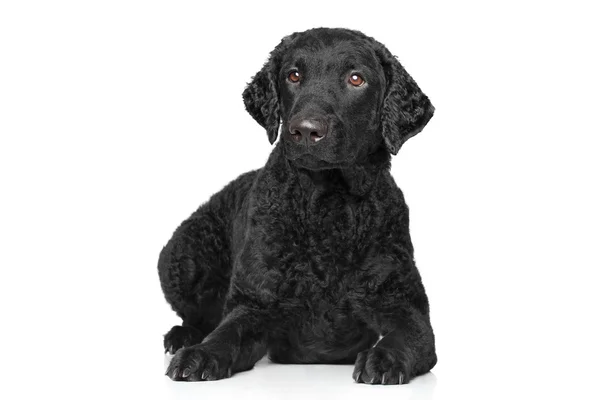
(309, 259)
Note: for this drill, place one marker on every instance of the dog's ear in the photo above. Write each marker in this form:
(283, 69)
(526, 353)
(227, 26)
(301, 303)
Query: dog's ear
(261, 96)
(406, 109)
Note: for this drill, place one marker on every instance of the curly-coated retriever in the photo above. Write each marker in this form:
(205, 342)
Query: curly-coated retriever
(309, 259)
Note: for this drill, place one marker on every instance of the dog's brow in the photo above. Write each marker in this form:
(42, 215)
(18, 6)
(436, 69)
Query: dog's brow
(350, 63)
(296, 61)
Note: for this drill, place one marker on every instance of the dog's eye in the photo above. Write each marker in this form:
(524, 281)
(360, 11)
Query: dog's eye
(294, 76)
(356, 80)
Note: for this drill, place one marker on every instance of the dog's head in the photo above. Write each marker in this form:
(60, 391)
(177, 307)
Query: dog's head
(338, 95)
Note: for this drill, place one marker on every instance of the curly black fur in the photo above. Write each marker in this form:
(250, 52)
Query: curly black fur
(309, 259)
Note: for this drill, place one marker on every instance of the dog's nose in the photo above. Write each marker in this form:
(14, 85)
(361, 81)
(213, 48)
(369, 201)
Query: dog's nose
(311, 130)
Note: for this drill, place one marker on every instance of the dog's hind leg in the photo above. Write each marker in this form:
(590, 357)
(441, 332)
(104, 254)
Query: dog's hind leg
(194, 269)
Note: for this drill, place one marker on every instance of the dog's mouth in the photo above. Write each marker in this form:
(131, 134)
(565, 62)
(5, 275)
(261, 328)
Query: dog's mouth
(320, 157)
(309, 161)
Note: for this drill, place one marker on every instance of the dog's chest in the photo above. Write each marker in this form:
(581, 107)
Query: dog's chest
(325, 237)
(321, 245)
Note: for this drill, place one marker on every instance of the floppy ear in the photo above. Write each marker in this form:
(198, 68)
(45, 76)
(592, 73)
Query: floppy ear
(406, 109)
(261, 96)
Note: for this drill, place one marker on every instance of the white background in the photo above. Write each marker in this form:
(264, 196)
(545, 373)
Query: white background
(118, 118)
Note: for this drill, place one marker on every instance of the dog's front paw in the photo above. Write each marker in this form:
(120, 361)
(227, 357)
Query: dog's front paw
(181, 336)
(197, 363)
(382, 366)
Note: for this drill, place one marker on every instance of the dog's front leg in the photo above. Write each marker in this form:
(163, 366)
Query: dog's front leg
(391, 300)
(235, 345)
